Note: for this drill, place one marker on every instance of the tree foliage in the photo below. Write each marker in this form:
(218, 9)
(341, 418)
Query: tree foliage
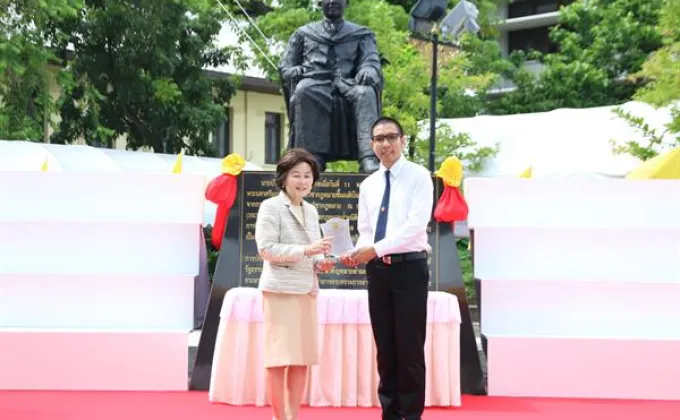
(27, 63)
(599, 43)
(138, 70)
(661, 70)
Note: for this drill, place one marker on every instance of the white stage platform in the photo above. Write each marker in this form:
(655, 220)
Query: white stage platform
(580, 286)
(97, 279)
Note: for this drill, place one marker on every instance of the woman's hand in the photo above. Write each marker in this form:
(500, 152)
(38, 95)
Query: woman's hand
(322, 246)
(315, 289)
(325, 265)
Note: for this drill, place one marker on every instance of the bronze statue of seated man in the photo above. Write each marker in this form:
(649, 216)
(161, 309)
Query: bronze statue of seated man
(332, 84)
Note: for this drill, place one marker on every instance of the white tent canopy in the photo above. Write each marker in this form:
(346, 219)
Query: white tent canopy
(30, 156)
(560, 143)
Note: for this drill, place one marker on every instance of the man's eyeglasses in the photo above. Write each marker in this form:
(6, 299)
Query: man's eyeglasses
(390, 138)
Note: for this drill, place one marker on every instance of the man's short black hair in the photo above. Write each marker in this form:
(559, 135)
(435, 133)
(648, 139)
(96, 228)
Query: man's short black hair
(387, 120)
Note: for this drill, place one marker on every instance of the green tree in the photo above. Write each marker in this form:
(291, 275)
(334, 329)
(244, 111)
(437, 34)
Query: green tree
(599, 43)
(28, 64)
(139, 72)
(661, 71)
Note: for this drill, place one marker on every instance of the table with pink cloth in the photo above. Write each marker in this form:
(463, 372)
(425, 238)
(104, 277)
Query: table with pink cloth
(347, 373)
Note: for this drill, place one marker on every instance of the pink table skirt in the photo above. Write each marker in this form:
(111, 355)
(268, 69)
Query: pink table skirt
(347, 374)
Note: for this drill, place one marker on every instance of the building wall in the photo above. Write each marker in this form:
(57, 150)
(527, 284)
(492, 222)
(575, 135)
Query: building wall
(245, 129)
(248, 124)
(524, 25)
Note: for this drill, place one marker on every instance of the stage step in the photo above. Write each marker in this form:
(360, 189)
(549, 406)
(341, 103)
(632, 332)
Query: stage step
(35, 359)
(584, 368)
(582, 339)
(97, 275)
(580, 284)
(97, 301)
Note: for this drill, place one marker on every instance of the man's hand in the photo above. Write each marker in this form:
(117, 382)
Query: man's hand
(367, 76)
(348, 260)
(363, 254)
(325, 265)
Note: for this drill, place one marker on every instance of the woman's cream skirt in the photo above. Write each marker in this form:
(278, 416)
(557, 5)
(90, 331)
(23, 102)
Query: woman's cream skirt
(290, 329)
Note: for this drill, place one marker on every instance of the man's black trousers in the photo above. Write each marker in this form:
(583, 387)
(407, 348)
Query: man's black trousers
(397, 298)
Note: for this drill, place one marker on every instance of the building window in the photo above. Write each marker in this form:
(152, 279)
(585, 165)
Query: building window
(221, 137)
(521, 8)
(272, 137)
(537, 39)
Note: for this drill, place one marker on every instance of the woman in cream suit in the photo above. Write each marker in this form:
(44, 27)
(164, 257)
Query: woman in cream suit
(289, 241)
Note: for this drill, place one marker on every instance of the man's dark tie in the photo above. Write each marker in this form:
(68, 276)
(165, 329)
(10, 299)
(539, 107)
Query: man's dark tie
(384, 209)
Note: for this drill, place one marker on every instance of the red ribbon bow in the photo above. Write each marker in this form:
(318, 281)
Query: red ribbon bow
(221, 191)
(451, 206)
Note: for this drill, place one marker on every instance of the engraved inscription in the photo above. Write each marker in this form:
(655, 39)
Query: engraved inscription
(334, 195)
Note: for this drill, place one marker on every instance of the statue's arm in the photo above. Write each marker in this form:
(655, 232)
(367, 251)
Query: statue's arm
(291, 61)
(369, 70)
(368, 53)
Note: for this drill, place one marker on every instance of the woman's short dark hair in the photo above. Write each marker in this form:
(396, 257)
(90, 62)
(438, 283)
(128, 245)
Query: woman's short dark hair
(292, 158)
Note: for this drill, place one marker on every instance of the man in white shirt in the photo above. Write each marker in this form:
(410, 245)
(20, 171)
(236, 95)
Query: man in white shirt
(395, 207)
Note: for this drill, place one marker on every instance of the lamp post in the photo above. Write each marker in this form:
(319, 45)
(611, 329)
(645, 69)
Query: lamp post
(425, 25)
(433, 94)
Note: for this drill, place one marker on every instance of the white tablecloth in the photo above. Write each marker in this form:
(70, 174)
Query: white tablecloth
(347, 374)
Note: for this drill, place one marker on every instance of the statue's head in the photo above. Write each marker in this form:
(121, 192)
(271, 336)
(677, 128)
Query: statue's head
(334, 9)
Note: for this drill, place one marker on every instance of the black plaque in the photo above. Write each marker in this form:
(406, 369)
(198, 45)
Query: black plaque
(335, 195)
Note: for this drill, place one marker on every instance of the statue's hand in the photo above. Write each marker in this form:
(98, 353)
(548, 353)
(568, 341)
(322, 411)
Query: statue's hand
(367, 76)
(294, 73)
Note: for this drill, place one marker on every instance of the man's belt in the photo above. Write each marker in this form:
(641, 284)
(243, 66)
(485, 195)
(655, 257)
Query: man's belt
(407, 256)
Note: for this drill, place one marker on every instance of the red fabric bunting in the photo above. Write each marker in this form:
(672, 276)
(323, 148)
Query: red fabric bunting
(451, 206)
(221, 191)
